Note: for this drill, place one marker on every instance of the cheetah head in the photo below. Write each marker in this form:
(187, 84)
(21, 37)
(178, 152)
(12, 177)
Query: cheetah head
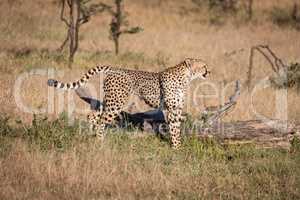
(198, 68)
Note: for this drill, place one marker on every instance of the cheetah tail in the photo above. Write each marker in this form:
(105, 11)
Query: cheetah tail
(84, 79)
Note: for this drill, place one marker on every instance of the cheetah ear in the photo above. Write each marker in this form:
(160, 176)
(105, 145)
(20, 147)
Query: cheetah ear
(188, 62)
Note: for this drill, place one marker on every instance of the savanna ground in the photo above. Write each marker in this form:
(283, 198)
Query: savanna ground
(51, 159)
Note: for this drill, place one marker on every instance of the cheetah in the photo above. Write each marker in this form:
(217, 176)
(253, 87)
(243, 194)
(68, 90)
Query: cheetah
(164, 90)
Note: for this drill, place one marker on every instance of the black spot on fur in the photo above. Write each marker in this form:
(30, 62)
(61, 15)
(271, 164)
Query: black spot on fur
(51, 82)
(90, 72)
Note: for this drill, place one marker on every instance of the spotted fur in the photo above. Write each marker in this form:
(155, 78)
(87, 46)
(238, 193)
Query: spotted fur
(165, 89)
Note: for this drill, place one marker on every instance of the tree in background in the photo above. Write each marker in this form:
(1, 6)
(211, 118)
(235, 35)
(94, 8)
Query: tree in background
(295, 13)
(250, 9)
(119, 24)
(79, 13)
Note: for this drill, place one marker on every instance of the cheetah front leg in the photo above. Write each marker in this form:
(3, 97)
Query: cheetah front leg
(174, 100)
(174, 121)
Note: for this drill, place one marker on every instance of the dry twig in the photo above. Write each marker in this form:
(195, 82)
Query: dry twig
(211, 115)
(275, 62)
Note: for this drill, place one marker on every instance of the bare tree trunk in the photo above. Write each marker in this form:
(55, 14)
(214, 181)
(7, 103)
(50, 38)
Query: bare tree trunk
(77, 24)
(117, 22)
(73, 24)
(71, 33)
(116, 41)
(295, 13)
(250, 9)
(67, 24)
(74, 29)
(118, 25)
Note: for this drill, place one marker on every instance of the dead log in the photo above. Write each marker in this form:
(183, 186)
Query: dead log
(254, 132)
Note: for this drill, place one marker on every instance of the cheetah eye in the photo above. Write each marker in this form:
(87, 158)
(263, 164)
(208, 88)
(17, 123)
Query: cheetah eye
(206, 72)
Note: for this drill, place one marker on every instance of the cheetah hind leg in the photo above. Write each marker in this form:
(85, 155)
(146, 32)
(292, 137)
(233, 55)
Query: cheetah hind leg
(92, 119)
(106, 118)
(115, 100)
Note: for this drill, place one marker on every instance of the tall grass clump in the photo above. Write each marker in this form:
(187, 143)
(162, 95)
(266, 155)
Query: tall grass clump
(44, 133)
(57, 134)
(5, 128)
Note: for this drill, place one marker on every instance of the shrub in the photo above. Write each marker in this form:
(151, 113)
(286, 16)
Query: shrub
(284, 17)
(205, 147)
(289, 78)
(44, 133)
(221, 5)
(55, 134)
(219, 10)
(295, 144)
(5, 128)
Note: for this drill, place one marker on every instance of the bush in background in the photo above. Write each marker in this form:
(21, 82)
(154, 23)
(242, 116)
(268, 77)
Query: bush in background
(289, 78)
(286, 17)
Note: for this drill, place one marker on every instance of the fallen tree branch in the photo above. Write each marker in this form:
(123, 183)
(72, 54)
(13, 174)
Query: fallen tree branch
(213, 114)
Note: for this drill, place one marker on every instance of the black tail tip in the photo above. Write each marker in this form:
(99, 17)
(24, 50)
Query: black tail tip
(52, 82)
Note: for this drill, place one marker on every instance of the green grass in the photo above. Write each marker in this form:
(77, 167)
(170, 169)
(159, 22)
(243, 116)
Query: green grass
(138, 165)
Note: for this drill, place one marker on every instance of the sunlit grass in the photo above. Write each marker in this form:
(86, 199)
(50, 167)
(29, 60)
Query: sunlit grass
(53, 159)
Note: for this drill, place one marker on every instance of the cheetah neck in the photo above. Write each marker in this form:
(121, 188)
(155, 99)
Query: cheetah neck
(191, 76)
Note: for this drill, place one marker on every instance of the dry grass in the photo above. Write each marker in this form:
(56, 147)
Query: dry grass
(138, 166)
(169, 36)
(126, 167)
